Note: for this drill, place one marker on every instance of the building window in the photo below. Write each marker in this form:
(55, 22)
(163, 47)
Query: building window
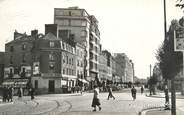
(23, 58)
(51, 44)
(11, 59)
(23, 46)
(67, 71)
(83, 33)
(95, 57)
(64, 33)
(63, 70)
(63, 59)
(96, 49)
(72, 61)
(36, 84)
(91, 46)
(78, 63)
(70, 13)
(83, 23)
(91, 55)
(63, 46)
(91, 65)
(67, 59)
(11, 48)
(96, 66)
(51, 57)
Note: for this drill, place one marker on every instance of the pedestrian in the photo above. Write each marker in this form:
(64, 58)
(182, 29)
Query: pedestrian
(142, 89)
(96, 100)
(110, 95)
(32, 93)
(5, 94)
(82, 90)
(20, 93)
(133, 91)
(11, 93)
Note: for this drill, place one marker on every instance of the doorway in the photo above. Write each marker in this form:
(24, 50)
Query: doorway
(51, 86)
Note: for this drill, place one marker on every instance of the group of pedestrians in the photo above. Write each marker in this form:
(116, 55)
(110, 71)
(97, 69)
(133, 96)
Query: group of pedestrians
(8, 93)
(96, 100)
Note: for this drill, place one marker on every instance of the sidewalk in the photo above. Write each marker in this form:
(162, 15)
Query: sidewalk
(161, 111)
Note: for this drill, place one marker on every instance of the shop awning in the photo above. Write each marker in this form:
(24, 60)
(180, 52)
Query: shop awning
(15, 82)
(83, 80)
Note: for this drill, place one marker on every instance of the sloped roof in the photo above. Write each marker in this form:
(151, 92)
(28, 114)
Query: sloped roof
(50, 36)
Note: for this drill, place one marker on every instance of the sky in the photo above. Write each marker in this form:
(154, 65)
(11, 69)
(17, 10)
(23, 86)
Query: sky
(134, 27)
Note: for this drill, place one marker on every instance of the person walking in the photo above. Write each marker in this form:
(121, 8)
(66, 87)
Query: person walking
(11, 93)
(133, 91)
(110, 95)
(32, 93)
(20, 93)
(142, 89)
(96, 100)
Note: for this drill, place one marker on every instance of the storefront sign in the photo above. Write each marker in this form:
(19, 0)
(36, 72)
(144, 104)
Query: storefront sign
(179, 39)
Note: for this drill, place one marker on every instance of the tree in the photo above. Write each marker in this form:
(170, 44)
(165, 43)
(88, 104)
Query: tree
(170, 62)
(180, 4)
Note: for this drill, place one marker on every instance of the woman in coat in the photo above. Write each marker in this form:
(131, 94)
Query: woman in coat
(96, 100)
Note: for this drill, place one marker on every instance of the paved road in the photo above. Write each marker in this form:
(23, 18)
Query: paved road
(60, 104)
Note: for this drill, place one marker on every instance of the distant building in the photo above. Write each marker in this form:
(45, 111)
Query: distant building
(126, 65)
(1, 66)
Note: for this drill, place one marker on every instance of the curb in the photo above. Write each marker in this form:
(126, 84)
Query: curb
(144, 111)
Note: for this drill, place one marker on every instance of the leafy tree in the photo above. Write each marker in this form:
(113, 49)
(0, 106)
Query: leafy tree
(180, 4)
(170, 62)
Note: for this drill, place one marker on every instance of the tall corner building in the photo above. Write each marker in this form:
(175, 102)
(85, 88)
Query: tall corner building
(84, 27)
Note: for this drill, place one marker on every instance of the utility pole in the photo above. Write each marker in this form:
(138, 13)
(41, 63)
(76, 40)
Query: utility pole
(173, 95)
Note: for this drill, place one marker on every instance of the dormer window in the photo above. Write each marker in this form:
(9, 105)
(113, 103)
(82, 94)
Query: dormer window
(51, 44)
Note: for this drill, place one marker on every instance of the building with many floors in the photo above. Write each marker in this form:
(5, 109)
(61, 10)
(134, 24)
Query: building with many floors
(84, 27)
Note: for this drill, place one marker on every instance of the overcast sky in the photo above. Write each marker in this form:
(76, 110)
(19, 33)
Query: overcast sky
(134, 27)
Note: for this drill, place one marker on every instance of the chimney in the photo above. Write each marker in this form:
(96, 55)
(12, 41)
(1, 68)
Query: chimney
(15, 34)
(34, 33)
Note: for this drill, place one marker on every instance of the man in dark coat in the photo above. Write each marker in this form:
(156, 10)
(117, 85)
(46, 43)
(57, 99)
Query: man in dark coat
(133, 91)
(110, 95)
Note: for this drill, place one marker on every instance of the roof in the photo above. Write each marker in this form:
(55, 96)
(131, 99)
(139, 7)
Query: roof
(50, 36)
